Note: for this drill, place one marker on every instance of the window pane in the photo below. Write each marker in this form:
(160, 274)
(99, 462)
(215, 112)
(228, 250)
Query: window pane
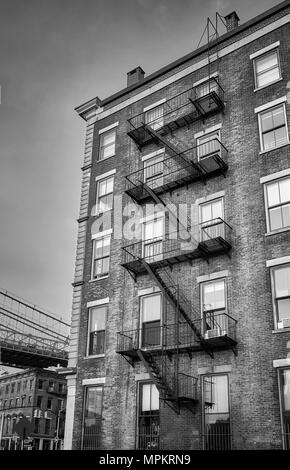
(150, 397)
(154, 117)
(278, 116)
(273, 194)
(286, 388)
(285, 190)
(151, 308)
(214, 295)
(153, 167)
(105, 203)
(267, 61)
(282, 281)
(268, 77)
(280, 136)
(283, 308)
(220, 394)
(275, 218)
(145, 397)
(286, 215)
(154, 398)
(153, 229)
(98, 318)
(267, 121)
(217, 209)
(208, 144)
(107, 144)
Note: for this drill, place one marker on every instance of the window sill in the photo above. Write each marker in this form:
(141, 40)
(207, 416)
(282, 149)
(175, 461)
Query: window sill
(274, 148)
(268, 84)
(281, 330)
(276, 232)
(96, 356)
(99, 278)
(101, 160)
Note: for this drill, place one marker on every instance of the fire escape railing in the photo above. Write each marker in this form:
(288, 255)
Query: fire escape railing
(181, 110)
(203, 160)
(174, 244)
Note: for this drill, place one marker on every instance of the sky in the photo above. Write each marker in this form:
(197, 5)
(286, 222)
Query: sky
(55, 55)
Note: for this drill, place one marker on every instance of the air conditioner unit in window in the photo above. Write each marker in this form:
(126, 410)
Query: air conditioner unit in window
(214, 333)
(285, 323)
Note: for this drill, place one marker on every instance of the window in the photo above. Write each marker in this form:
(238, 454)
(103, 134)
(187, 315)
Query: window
(47, 426)
(212, 223)
(154, 117)
(18, 386)
(105, 189)
(284, 379)
(49, 403)
(273, 128)
(7, 389)
(216, 416)
(208, 144)
(17, 402)
(278, 204)
(152, 235)
(51, 385)
(31, 384)
(208, 86)
(24, 384)
(281, 294)
(150, 314)
(92, 418)
(39, 402)
(11, 403)
(29, 400)
(40, 384)
(5, 403)
(23, 400)
(59, 405)
(267, 69)
(213, 295)
(12, 387)
(153, 171)
(36, 425)
(97, 330)
(107, 144)
(148, 417)
(101, 256)
(61, 388)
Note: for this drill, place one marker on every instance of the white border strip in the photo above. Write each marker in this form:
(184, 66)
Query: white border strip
(209, 130)
(101, 114)
(275, 176)
(156, 215)
(148, 290)
(102, 234)
(210, 197)
(212, 276)
(265, 49)
(105, 175)
(108, 128)
(96, 381)
(95, 303)
(202, 80)
(270, 104)
(154, 105)
(281, 362)
(277, 261)
(153, 154)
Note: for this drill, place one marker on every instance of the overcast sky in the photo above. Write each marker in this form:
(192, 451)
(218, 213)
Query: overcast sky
(55, 55)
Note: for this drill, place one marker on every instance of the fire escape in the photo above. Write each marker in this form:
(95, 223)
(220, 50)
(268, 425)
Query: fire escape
(188, 332)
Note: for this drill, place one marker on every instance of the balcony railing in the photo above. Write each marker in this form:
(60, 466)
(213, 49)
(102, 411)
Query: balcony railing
(187, 387)
(179, 111)
(216, 326)
(208, 98)
(217, 435)
(199, 162)
(212, 237)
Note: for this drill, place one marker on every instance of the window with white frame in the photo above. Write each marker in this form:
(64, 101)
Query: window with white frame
(101, 256)
(212, 219)
(273, 127)
(92, 419)
(208, 144)
(281, 294)
(155, 117)
(152, 236)
(153, 171)
(213, 297)
(206, 87)
(105, 188)
(107, 144)
(148, 416)
(97, 330)
(150, 315)
(267, 68)
(278, 204)
(284, 380)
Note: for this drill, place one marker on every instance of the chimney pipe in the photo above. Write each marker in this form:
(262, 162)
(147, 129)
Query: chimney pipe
(232, 21)
(135, 76)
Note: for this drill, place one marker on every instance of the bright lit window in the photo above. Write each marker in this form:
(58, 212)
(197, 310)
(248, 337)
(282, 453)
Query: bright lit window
(281, 294)
(273, 128)
(105, 188)
(97, 330)
(278, 204)
(107, 144)
(101, 256)
(267, 69)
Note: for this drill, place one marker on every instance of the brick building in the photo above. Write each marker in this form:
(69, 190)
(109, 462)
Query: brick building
(39, 395)
(180, 334)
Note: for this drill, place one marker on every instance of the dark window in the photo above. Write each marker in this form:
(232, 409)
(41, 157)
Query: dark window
(40, 384)
(39, 401)
(148, 417)
(23, 400)
(36, 425)
(92, 418)
(47, 426)
(97, 330)
(12, 387)
(49, 403)
(18, 386)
